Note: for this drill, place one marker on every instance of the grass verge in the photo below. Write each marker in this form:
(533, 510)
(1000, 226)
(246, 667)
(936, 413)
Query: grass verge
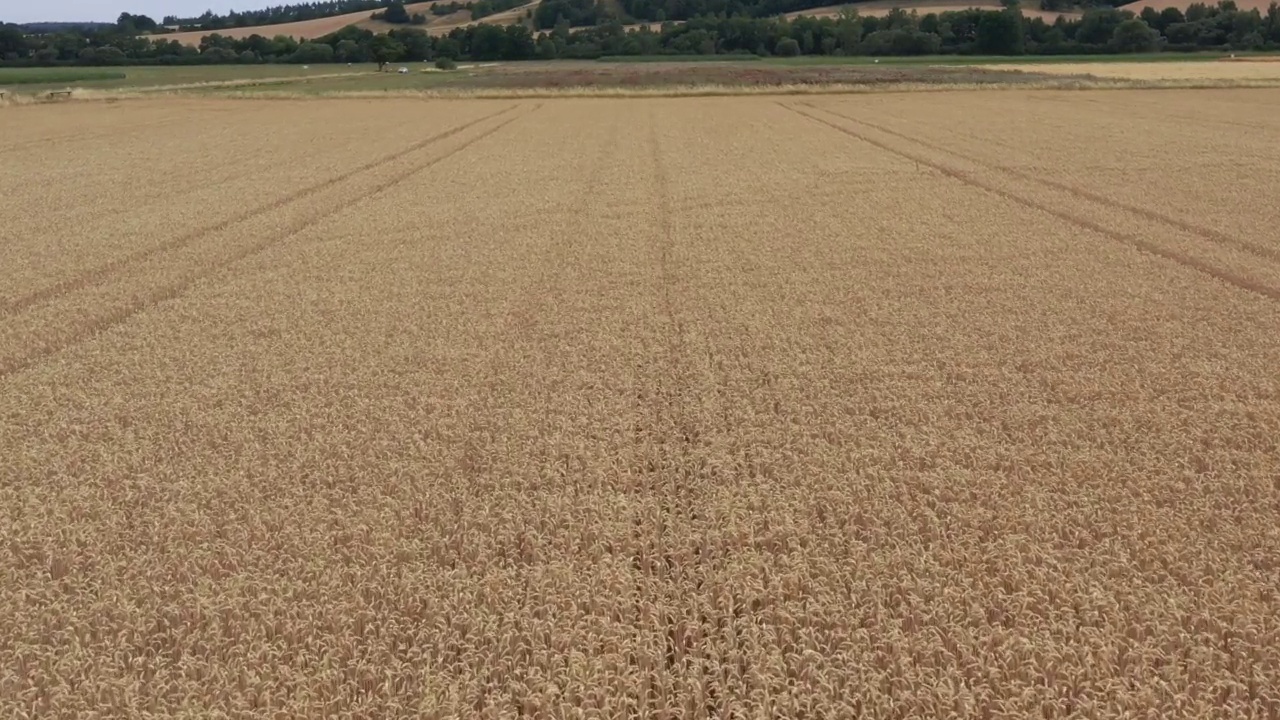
(45, 76)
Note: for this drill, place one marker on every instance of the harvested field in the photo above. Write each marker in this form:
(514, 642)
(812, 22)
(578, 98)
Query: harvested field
(709, 407)
(319, 27)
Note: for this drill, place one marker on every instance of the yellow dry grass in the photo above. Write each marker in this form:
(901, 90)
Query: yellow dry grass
(789, 407)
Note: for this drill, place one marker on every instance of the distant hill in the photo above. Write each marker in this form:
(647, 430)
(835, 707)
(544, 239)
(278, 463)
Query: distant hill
(441, 25)
(45, 28)
(319, 27)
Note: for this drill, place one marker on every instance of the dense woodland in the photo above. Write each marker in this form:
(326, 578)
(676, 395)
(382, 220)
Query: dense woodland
(1008, 32)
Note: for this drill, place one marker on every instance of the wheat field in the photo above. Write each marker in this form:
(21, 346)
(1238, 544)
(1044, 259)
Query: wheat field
(1261, 71)
(932, 405)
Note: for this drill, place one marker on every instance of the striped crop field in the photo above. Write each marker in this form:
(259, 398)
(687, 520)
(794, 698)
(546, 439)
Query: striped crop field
(903, 405)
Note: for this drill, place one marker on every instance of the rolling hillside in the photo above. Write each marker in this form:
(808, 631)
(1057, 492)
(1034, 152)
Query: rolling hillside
(441, 25)
(308, 29)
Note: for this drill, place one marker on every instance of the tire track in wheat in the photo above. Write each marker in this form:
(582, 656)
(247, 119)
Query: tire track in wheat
(107, 270)
(1204, 233)
(676, 483)
(1188, 261)
(116, 316)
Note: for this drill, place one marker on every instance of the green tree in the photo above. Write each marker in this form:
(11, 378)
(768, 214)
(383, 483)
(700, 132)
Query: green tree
(417, 44)
(1135, 36)
(1171, 16)
(520, 44)
(546, 48)
(1000, 33)
(1243, 25)
(313, 53)
(1098, 27)
(901, 42)
(13, 42)
(386, 49)
(396, 14)
(282, 46)
(787, 47)
(449, 47)
(848, 34)
(1198, 11)
(348, 51)
(219, 56)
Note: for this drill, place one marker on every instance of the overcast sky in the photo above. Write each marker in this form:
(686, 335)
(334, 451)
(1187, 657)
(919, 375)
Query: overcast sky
(21, 11)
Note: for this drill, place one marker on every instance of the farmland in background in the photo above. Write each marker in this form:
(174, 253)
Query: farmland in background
(892, 405)
(651, 73)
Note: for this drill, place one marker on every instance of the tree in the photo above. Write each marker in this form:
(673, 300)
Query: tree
(386, 49)
(849, 33)
(219, 56)
(1000, 33)
(13, 42)
(1198, 11)
(349, 51)
(1171, 16)
(448, 47)
(546, 48)
(1135, 36)
(396, 14)
(313, 53)
(787, 47)
(282, 46)
(1245, 25)
(520, 43)
(901, 42)
(1098, 27)
(417, 44)
(136, 23)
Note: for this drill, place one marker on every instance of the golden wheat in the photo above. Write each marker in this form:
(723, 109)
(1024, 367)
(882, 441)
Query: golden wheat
(884, 406)
(1189, 71)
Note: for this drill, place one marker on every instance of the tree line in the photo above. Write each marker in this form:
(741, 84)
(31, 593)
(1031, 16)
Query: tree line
(986, 32)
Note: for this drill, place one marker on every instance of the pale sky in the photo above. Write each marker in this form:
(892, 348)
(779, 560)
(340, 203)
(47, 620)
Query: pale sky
(22, 11)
